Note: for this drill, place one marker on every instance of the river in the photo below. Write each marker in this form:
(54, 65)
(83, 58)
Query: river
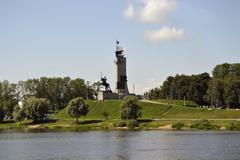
(120, 145)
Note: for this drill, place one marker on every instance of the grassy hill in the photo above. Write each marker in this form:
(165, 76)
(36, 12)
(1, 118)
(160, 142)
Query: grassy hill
(154, 111)
(200, 113)
(112, 107)
(177, 102)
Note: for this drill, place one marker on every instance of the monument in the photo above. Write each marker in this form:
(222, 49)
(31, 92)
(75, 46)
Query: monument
(121, 84)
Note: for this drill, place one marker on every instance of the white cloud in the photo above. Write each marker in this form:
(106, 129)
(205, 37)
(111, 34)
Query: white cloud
(129, 12)
(155, 11)
(164, 34)
(151, 11)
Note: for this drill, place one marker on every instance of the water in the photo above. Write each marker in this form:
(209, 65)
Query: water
(120, 145)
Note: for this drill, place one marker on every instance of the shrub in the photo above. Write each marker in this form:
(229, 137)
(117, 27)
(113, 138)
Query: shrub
(234, 126)
(2, 114)
(178, 126)
(120, 124)
(204, 125)
(132, 124)
(105, 115)
(130, 108)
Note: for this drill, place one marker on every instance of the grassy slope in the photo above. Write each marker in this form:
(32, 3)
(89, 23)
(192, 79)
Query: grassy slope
(150, 110)
(200, 113)
(96, 108)
(177, 102)
(166, 113)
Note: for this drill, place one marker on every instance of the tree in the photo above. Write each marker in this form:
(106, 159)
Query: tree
(232, 92)
(232, 100)
(181, 87)
(36, 108)
(19, 114)
(2, 113)
(8, 97)
(130, 108)
(59, 91)
(224, 88)
(96, 87)
(77, 108)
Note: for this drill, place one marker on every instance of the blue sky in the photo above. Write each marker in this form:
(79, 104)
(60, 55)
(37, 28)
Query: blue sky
(57, 38)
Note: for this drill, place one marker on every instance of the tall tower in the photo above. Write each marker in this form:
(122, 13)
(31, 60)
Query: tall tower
(121, 85)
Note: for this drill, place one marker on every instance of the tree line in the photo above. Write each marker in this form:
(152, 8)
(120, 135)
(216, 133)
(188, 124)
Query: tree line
(57, 91)
(37, 109)
(220, 90)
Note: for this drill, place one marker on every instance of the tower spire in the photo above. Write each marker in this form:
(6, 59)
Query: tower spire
(121, 84)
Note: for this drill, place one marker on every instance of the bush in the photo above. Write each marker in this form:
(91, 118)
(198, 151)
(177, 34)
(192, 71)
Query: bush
(105, 115)
(130, 108)
(178, 126)
(204, 125)
(120, 124)
(234, 126)
(132, 124)
(2, 114)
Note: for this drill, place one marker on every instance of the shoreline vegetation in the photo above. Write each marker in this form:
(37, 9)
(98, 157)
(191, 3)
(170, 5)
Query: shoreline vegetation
(182, 102)
(105, 115)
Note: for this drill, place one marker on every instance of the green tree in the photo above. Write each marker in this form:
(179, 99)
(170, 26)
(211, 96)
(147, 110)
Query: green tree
(232, 92)
(224, 88)
(8, 97)
(19, 114)
(96, 87)
(232, 100)
(181, 87)
(130, 108)
(77, 108)
(2, 113)
(59, 91)
(36, 108)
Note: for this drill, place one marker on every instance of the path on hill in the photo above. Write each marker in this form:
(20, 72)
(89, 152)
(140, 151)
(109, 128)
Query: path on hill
(182, 119)
(154, 102)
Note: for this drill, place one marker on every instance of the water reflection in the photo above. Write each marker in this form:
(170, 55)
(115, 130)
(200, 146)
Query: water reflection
(123, 145)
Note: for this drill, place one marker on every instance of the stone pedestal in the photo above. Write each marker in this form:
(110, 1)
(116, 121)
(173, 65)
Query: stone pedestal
(104, 95)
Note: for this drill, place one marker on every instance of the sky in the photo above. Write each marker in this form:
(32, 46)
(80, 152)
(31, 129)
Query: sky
(76, 38)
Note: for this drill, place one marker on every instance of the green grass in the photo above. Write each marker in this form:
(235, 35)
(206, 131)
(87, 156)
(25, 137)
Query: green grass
(151, 111)
(177, 102)
(163, 114)
(96, 108)
(200, 113)
(112, 107)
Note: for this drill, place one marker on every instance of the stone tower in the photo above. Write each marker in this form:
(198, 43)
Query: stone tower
(121, 84)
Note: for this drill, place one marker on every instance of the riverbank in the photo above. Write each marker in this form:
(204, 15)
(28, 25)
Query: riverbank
(155, 116)
(109, 125)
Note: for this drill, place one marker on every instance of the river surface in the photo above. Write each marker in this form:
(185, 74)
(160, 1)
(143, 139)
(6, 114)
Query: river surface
(121, 145)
